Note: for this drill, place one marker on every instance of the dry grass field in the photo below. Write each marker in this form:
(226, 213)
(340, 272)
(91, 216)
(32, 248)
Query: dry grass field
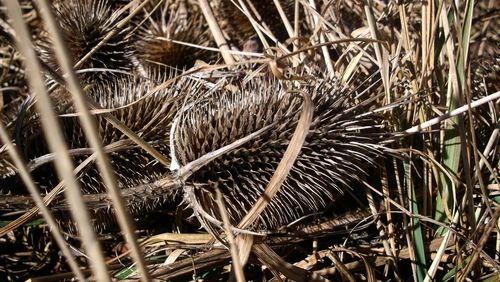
(249, 140)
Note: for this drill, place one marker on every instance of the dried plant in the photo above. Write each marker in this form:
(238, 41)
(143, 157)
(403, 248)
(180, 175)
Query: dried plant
(324, 140)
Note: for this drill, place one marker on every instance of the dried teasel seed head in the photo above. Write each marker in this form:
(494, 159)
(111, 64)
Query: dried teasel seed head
(149, 114)
(84, 23)
(343, 142)
(146, 112)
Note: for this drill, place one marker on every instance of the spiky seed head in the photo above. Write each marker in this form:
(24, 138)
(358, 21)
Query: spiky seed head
(342, 143)
(84, 23)
(149, 114)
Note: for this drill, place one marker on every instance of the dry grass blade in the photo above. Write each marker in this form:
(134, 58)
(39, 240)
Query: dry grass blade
(64, 165)
(369, 270)
(453, 113)
(482, 241)
(216, 32)
(383, 61)
(324, 49)
(116, 29)
(233, 247)
(266, 254)
(90, 129)
(169, 239)
(378, 260)
(285, 165)
(353, 64)
(35, 194)
(399, 166)
(258, 28)
(333, 42)
(33, 212)
(429, 276)
(383, 233)
(342, 268)
(284, 19)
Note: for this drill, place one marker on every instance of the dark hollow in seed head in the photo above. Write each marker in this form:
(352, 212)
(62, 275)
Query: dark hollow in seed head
(342, 143)
(84, 23)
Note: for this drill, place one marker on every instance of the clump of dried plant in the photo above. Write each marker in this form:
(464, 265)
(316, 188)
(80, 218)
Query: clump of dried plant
(310, 140)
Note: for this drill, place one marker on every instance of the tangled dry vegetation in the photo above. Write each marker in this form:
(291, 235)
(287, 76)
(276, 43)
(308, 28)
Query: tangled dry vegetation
(249, 140)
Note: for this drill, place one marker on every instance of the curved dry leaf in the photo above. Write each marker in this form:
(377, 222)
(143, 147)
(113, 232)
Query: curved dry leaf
(173, 256)
(285, 164)
(353, 64)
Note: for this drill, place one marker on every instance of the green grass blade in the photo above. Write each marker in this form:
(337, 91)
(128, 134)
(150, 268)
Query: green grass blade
(418, 238)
